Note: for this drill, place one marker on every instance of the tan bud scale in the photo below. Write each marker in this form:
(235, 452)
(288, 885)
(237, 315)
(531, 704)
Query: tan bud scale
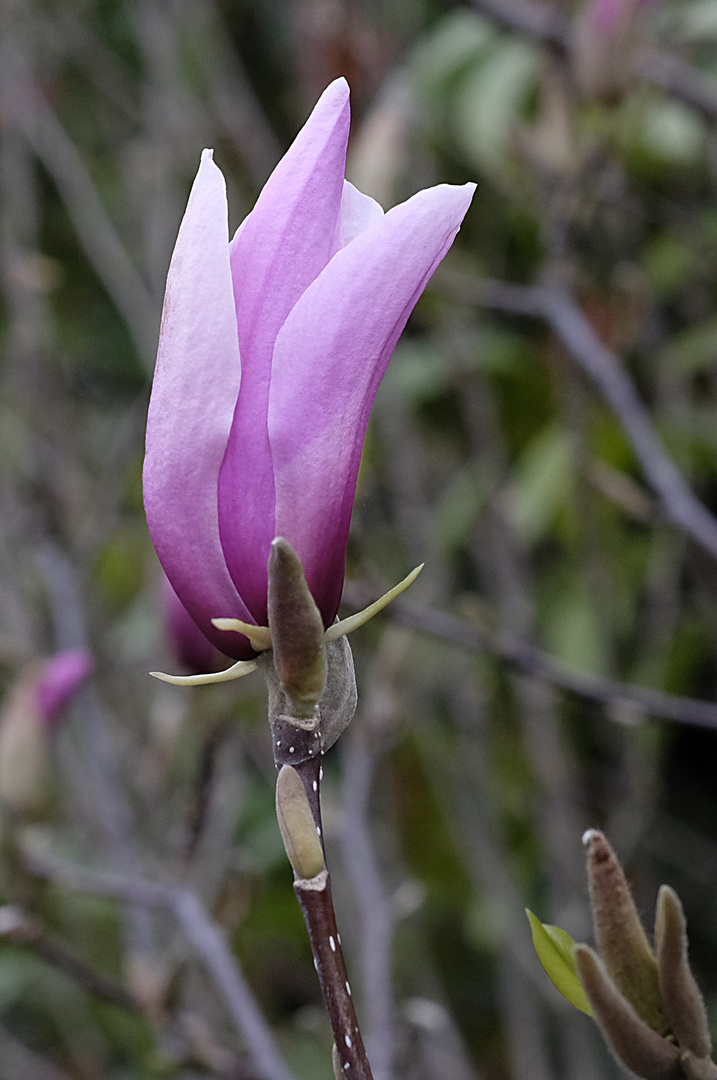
(298, 831)
(632, 1041)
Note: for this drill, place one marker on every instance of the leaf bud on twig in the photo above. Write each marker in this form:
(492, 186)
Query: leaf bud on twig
(632, 1041)
(298, 830)
(681, 996)
(619, 934)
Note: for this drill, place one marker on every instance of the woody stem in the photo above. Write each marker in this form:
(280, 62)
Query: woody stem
(315, 901)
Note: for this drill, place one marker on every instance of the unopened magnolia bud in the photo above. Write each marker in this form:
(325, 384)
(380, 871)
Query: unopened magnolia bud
(606, 39)
(59, 679)
(632, 1041)
(619, 934)
(26, 722)
(298, 831)
(297, 630)
(681, 996)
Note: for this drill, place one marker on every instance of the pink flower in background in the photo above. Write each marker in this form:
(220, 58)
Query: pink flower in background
(59, 680)
(271, 350)
(607, 16)
(192, 650)
(26, 721)
(607, 38)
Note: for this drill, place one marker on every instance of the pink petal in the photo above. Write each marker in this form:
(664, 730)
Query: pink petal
(358, 212)
(190, 648)
(285, 242)
(329, 359)
(196, 382)
(60, 679)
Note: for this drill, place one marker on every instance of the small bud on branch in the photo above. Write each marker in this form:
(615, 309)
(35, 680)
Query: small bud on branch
(296, 822)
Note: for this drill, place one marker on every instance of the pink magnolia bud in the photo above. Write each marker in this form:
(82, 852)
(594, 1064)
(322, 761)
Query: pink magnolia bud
(26, 721)
(605, 43)
(272, 347)
(59, 680)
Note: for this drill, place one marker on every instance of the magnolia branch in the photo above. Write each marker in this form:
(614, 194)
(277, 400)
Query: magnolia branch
(198, 927)
(298, 804)
(612, 693)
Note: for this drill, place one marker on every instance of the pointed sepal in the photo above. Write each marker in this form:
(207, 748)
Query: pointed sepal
(236, 671)
(633, 1042)
(682, 999)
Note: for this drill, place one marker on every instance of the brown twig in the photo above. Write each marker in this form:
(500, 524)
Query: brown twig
(317, 907)
(315, 901)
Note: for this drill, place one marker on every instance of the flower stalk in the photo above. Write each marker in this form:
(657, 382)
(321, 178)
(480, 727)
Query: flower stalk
(311, 700)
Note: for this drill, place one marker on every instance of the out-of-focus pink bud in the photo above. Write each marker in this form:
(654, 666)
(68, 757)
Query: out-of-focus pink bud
(605, 43)
(26, 720)
(59, 680)
(192, 650)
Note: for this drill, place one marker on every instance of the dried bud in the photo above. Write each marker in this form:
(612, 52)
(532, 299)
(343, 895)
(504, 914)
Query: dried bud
(620, 937)
(24, 754)
(297, 630)
(681, 996)
(296, 822)
(632, 1041)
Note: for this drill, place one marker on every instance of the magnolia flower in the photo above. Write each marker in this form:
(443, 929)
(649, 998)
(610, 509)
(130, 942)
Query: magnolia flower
(271, 350)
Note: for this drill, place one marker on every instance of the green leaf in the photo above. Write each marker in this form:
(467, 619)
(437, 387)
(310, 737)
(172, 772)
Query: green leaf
(554, 948)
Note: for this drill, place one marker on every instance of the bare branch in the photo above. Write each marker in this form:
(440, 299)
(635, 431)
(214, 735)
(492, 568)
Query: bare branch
(97, 235)
(514, 650)
(541, 22)
(19, 1061)
(558, 308)
(17, 926)
(374, 908)
(201, 931)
